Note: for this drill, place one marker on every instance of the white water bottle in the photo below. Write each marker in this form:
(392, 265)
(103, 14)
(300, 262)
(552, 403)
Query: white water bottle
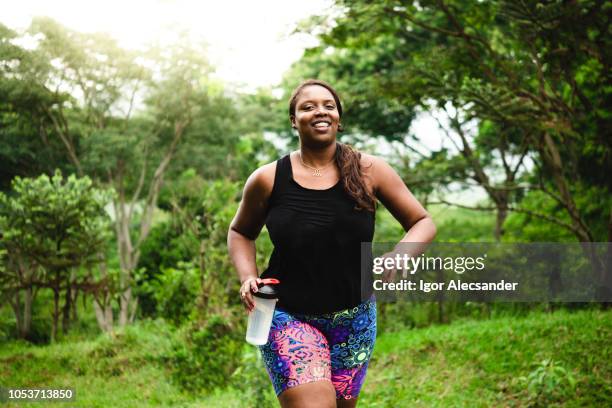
(260, 318)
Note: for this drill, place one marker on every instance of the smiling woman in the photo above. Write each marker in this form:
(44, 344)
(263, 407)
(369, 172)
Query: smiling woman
(318, 204)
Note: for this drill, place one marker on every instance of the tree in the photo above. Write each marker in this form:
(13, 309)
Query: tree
(58, 225)
(122, 118)
(28, 145)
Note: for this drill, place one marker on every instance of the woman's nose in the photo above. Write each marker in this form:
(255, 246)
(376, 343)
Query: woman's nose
(319, 111)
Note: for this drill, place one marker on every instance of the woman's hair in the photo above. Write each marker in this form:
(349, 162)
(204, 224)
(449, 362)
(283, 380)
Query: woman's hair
(347, 159)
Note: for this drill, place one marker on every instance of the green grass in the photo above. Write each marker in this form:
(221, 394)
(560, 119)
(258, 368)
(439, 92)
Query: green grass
(478, 364)
(465, 364)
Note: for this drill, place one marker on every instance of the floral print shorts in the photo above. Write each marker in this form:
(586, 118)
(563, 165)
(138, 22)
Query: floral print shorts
(333, 347)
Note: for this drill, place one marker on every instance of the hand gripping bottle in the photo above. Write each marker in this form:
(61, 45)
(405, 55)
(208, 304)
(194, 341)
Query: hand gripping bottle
(260, 318)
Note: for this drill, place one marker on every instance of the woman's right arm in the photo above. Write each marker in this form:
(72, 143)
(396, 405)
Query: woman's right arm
(246, 226)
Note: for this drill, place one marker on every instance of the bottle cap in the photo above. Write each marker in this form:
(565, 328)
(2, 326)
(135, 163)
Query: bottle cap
(267, 289)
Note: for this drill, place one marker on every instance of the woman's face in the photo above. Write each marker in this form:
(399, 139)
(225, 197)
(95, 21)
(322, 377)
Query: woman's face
(316, 116)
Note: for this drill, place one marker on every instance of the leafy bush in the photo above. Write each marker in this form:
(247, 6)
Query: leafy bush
(130, 348)
(205, 357)
(549, 382)
(251, 378)
(174, 291)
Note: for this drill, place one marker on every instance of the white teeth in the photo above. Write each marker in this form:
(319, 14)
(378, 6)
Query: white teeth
(321, 125)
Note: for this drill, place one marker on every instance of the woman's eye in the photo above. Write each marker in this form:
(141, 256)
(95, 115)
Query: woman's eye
(330, 106)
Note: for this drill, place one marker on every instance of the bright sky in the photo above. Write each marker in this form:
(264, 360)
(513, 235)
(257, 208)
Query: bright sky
(249, 41)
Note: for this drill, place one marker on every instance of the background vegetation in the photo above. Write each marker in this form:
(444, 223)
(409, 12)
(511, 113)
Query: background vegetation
(120, 172)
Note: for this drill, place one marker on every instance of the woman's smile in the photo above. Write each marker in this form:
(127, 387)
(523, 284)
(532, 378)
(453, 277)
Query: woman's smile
(321, 125)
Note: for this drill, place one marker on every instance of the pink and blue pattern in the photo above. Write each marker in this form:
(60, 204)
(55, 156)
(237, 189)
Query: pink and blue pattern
(333, 347)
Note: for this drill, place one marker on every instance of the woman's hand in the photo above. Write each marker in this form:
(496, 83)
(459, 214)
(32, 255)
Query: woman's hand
(389, 274)
(247, 289)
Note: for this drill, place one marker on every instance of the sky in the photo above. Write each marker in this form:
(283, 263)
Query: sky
(250, 42)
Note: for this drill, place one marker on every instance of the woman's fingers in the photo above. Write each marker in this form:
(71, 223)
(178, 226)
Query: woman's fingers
(254, 283)
(249, 287)
(249, 302)
(389, 275)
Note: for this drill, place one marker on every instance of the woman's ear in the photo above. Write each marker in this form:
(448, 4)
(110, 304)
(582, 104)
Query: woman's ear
(340, 128)
(292, 120)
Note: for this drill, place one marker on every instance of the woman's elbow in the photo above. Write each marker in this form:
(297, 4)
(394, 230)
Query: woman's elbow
(428, 228)
(236, 232)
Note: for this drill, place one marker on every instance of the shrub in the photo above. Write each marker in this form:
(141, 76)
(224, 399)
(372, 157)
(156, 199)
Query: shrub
(251, 378)
(549, 382)
(205, 357)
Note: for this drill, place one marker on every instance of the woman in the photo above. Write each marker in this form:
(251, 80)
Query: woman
(318, 204)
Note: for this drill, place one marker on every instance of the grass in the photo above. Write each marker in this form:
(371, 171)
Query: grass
(465, 364)
(480, 363)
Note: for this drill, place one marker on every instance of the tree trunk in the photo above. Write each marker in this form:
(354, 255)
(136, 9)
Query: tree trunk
(66, 309)
(502, 214)
(99, 316)
(552, 158)
(129, 254)
(27, 312)
(56, 312)
(104, 314)
(74, 315)
(125, 306)
(23, 313)
(16, 306)
(102, 297)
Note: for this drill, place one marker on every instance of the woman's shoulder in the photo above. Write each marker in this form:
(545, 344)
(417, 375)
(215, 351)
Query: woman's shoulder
(262, 179)
(375, 169)
(371, 164)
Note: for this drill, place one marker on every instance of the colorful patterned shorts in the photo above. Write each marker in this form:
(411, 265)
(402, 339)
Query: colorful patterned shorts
(333, 347)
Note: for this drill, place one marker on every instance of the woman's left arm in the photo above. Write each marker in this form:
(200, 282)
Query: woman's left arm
(390, 189)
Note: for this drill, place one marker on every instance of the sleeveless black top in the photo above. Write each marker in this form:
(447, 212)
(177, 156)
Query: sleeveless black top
(317, 236)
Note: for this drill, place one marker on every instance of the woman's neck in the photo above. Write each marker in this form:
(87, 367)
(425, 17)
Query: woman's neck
(318, 157)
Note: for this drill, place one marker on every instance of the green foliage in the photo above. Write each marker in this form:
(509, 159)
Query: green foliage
(548, 383)
(253, 381)
(124, 350)
(27, 147)
(50, 227)
(207, 356)
(462, 225)
(58, 222)
(174, 291)
(522, 227)
(165, 247)
(187, 268)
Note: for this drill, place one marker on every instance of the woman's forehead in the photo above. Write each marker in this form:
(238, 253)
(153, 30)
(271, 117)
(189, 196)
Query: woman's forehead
(315, 93)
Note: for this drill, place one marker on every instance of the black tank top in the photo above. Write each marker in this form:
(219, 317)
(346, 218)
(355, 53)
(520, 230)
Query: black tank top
(317, 236)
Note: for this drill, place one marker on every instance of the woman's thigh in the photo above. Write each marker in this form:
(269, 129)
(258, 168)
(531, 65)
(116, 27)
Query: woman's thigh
(296, 354)
(318, 394)
(351, 335)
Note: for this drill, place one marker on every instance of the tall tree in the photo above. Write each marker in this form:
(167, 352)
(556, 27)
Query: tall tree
(122, 118)
(28, 145)
(58, 225)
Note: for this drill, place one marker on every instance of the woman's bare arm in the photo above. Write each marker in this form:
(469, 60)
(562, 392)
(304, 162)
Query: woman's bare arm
(247, 225)
(405, 208)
